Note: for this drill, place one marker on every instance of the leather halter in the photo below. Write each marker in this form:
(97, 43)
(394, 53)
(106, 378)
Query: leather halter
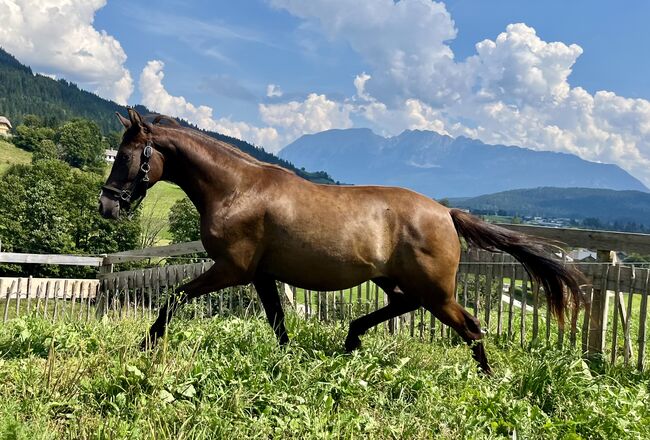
(125, 194)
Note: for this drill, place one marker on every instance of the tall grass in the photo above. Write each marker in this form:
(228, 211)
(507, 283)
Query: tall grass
(227, 378)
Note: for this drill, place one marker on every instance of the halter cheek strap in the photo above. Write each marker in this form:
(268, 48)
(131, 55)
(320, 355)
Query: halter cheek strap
(142, 177)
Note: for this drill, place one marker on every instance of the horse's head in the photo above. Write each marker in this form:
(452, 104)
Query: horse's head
(137, 166)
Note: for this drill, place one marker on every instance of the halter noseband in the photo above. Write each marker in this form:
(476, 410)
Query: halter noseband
(142, 177)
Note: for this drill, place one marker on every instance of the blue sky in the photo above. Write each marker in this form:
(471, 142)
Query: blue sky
(613, 39)
(567, 76)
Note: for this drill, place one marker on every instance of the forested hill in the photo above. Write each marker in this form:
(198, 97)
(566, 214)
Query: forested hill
(22, 92)
(609, 207)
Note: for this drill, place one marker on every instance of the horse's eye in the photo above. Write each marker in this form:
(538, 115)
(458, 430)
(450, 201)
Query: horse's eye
(125, 157)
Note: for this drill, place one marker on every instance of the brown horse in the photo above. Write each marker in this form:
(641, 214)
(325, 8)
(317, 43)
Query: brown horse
(261, 223)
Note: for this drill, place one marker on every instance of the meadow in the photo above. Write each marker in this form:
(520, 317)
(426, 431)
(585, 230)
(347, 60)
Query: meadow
(9, 155)
(227, 378)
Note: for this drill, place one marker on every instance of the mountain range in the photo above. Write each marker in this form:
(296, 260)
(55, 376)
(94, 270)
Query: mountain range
(441, 166)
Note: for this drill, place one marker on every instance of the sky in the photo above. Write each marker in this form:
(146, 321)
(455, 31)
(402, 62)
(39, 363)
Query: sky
(567, 76)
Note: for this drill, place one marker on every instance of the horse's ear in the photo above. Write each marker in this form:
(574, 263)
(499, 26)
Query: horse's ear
(137, 122)
(136, 119)
(123, 120)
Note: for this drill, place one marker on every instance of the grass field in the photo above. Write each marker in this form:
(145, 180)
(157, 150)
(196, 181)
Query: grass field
(227, 378)
(10, 155)
(156, 206)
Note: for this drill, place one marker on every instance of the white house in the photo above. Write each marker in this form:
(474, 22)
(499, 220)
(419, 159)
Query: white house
(5, 126)
(109, 155)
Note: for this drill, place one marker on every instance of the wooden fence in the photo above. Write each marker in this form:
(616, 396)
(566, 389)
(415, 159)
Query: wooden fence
(492, 286)
(47, 297)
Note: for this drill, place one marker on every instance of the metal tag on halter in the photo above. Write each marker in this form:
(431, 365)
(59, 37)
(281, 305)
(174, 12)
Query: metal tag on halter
(148, 150)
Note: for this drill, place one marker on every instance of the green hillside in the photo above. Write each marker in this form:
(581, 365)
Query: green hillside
(10, 155)
(22, 92)
(608, 206)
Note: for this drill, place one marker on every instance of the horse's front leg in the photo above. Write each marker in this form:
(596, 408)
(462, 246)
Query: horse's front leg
(219, 276)
(270, 297)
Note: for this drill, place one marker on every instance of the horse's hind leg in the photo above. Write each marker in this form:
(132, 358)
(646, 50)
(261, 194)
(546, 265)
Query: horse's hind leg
(467, 326)
(268, 293)
(398, 305)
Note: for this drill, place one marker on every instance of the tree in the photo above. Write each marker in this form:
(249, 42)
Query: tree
(32, 121)
(49, 207)
(114, 139)
(45, 151)
(82, 145)
(184, 221)
(29, 137)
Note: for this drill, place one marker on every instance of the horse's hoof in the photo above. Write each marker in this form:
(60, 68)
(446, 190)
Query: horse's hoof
(147, 344)
(486, 371)
(352, 344)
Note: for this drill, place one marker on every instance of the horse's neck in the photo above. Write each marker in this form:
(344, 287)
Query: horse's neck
(207, 173)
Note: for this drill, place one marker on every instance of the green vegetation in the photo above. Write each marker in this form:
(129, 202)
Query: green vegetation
(227, 378)
(626, 210)
(82, 144)
(155, 213)
(79, 142)
(54, 102)
(50, 207)
(10, 154)
(184, 221)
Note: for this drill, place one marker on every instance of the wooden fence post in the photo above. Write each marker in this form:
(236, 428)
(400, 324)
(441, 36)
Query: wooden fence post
(102, 293)
(599, 307)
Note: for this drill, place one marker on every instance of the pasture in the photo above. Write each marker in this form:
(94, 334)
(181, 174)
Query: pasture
(227, 377)
(9, 155)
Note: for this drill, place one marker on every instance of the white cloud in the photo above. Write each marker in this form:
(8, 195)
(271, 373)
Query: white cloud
(520, 66)
(524, 98)
(57, 37)
(314, 114)
(405, 41)
(411, 113)
(273, 91)
(515, 90)
(360, 86)
(157, 98)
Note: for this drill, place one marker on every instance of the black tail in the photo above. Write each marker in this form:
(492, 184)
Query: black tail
(533, 253)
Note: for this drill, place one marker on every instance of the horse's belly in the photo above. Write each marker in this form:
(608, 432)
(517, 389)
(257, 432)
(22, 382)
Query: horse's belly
(319, 272)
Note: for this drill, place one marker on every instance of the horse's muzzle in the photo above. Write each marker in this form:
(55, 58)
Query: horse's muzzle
(109, 208)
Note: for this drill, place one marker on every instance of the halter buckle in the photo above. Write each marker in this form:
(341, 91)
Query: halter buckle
(148, 150)
(125, 195)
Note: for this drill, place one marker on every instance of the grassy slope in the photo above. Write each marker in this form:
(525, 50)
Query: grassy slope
(10, 155)
(226, 378)
(156, 206)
